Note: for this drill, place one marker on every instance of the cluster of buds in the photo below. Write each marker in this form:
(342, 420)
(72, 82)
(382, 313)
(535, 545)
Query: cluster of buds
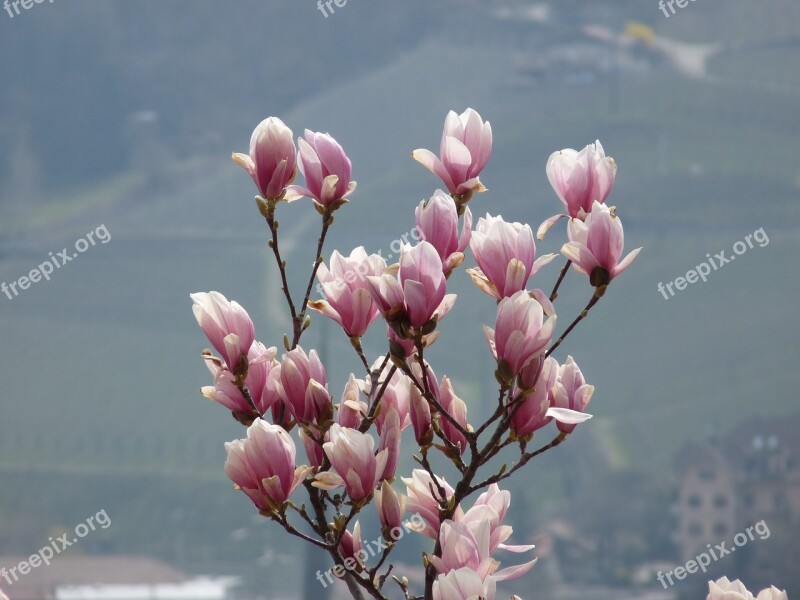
(353, 446)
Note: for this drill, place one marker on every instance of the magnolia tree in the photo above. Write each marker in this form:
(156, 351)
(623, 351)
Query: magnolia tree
(351, 445)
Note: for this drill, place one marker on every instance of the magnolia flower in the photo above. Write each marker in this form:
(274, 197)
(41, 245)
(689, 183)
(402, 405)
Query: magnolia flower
(464, 151)
(532, 414)
(724, 589)
(418, 293)
(468, 544)
(390, 505)
(396, 395)
(303, 386)
(505, 253)
(579, 178)
(263, 376)
(390, 441)
(437, 223)
(352, 409)
(263, 465)
(423, 498)
(595, 246)
(520, 333)
(420, 416)
(357, 467)
(463, 584)
(348, 301)
(457, 409)
(570, 397)
(326, 168)
(272, 160)
(352, 547)
(227, 326)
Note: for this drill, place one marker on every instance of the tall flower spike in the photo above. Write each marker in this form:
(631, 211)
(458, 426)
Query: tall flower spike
(326, 168)
(596, 246)
(272, 162)
(579, 178)
(464, 151)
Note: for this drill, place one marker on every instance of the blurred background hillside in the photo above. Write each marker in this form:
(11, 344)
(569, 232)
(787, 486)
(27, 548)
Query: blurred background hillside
(125, 114)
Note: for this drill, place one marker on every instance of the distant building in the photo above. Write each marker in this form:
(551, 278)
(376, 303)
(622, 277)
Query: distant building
(752, 474)
(108, 578)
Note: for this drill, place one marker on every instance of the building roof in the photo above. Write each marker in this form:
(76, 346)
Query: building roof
(41, 582)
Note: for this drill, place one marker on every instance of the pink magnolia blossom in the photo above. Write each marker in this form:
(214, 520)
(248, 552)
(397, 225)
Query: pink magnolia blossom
(595, 246)
(352, 409)
(464, 584)
(520, 333)
(482, 532)
(468, 544)
(396, 395)
(357, 468)
(407, 346)
(227, 326)
(3, 596)
(263, 465)
(457, 409)
(263, 375)
(532, 414)
(419, 290)
(464, 151)
(310, 435)
(724, 589)
(272, 162)
(579, 179)
(437, 223)
(390, 505)
(303, 386)
(420, 416)
(348, 300)
(506, 256)
(423, 499)
(570, 397)
(326, 168)
(351, 548)
(390, 441)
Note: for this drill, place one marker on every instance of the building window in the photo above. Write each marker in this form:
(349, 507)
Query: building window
(695, 529)
(707, 474)
(694, 501)
(720, 501)
(720, 529)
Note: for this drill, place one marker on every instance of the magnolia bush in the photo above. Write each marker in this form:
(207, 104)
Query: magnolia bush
(350, 446)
